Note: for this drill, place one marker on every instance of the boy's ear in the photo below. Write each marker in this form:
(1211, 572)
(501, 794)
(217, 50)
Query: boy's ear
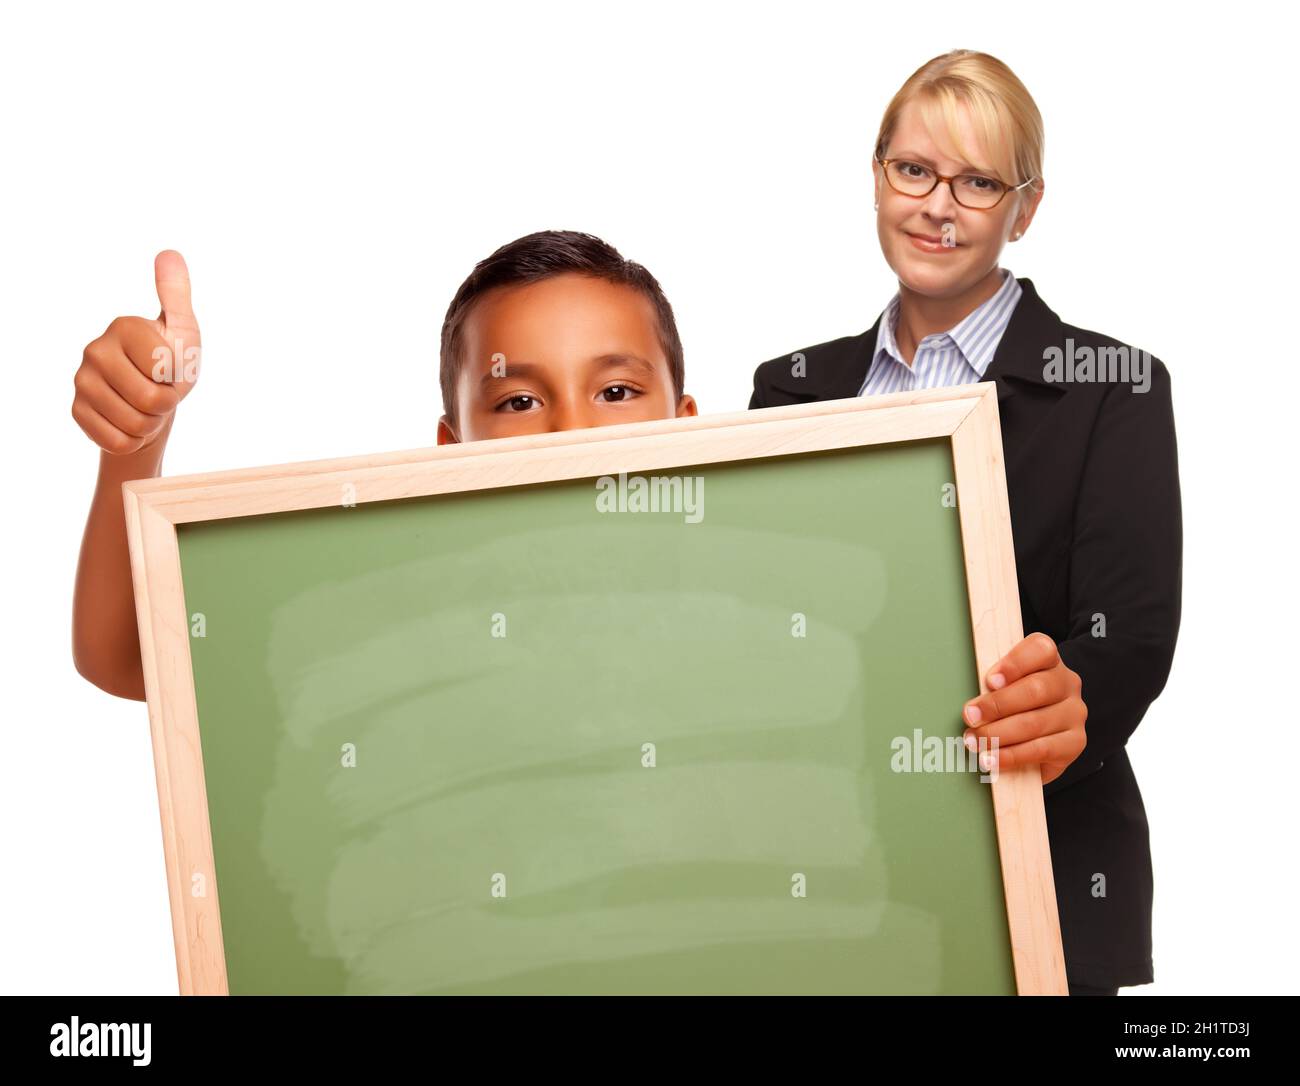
(446, 432)
(686, 407)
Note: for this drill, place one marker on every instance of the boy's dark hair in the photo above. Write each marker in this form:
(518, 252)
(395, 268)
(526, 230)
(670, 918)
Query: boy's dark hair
(539, 256)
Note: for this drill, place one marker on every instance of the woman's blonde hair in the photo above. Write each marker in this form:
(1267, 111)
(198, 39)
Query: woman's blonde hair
(1002, 111)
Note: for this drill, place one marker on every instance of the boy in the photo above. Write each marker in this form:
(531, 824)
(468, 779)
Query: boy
(554, 331)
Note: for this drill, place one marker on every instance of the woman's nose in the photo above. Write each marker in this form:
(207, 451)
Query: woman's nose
(939, 204)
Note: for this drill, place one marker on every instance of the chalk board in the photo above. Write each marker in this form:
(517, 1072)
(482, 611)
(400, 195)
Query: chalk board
(598, 732)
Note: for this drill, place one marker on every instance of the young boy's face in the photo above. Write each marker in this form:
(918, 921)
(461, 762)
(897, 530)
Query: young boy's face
(572, 351)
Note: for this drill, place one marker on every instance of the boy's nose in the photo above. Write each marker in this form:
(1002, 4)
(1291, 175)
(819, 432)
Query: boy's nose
(572, 414)
(566, 416)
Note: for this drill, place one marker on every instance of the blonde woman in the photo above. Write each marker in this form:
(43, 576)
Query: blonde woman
(1092, 474)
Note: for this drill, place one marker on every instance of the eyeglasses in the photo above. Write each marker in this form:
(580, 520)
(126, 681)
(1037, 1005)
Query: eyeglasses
(969, 189)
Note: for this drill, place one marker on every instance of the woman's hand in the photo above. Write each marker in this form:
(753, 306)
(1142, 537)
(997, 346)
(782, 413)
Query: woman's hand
(1034, 709)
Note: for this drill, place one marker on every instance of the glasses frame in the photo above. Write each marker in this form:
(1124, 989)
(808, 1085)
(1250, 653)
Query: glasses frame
(1006, 189)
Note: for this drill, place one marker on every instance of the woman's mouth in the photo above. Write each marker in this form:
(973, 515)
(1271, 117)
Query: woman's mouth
(930, 244)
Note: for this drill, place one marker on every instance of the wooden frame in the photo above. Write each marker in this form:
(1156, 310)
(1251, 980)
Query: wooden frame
(965, 415)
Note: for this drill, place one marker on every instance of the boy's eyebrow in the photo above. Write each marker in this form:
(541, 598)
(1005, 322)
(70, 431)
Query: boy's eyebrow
(602, 362)
(610, 361)
(513, 369)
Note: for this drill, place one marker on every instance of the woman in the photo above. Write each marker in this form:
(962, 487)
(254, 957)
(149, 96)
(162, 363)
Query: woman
(1092, 475)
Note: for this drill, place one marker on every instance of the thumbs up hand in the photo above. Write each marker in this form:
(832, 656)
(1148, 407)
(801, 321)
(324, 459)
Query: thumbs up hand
(132, 377)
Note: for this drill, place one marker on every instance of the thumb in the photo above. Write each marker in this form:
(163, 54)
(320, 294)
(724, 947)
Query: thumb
(172, 278)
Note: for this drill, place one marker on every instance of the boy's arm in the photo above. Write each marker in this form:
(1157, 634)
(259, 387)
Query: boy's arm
(128, 385)
(105, 641)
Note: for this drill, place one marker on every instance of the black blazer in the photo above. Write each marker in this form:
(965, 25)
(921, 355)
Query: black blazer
(1092, 477)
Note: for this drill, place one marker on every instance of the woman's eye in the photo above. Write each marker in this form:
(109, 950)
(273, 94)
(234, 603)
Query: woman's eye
(911, 169)
(617, 393)
(982, 184)
(518, 403)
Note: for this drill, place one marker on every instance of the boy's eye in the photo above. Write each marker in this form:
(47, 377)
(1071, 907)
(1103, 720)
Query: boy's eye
(617, 393)
(518, 403)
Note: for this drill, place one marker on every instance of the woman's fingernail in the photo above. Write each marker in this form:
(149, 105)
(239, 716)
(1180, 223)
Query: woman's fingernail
(987, 761)
(973, 714)
(997, 681)
(971, 742)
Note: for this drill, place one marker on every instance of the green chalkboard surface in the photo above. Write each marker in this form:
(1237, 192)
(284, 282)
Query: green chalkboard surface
(505, 741)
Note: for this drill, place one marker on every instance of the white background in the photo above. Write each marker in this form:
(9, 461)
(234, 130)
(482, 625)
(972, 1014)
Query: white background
(332, 172)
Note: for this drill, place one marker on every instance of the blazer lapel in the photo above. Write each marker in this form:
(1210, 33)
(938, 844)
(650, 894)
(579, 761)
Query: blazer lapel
(1019, 361)
(835, 374)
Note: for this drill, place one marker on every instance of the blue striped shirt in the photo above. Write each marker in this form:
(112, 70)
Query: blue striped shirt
(958, 356)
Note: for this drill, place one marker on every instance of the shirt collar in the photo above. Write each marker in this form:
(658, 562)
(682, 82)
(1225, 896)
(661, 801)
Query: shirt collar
(976, 335)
